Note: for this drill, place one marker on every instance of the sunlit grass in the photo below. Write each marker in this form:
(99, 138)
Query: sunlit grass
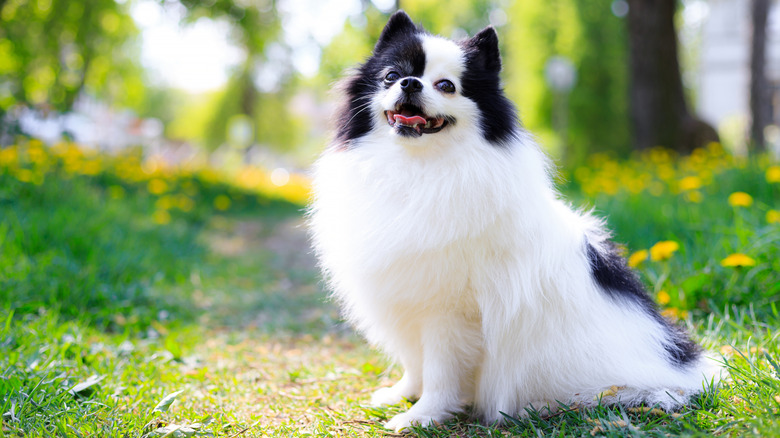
(142, 300)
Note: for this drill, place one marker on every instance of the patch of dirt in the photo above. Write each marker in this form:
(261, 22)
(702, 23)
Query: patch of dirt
(287, 240)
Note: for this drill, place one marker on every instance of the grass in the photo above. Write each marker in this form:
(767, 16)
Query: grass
(145, 301)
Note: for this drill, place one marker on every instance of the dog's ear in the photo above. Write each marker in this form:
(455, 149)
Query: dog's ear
(482, 50)
(398, 24)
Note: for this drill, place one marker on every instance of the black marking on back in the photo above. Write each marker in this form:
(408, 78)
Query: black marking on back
(620, 283)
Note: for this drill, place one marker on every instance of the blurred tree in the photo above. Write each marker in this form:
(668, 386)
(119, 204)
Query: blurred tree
(53, 50)
(453, 18)
(760, 105)
(659, 112)
(256, 29)
(587, 33)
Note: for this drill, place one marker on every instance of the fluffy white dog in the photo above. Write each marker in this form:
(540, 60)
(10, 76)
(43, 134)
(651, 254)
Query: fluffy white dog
(441, 235)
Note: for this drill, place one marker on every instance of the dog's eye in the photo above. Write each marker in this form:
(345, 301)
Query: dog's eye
(445, 86)
(392, 77)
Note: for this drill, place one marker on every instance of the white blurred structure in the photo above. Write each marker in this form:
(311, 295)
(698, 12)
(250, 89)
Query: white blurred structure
(91, 123)
(724, 82)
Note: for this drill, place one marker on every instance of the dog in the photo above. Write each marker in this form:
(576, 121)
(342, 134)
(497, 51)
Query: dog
(439, 231)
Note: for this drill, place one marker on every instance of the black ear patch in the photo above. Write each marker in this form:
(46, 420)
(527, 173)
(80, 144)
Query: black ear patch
(399, 24)
(482, 50)
(481, 83)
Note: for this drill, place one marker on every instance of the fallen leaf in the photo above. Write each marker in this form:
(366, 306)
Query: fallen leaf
(179, 431)
(84, 389)
(166, 402)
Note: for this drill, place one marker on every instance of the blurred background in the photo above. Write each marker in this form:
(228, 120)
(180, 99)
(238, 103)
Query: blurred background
(233, 82)
(153, 158)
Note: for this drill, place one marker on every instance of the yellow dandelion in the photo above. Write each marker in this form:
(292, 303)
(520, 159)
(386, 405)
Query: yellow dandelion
(690, 183)
(693, 196)
(25, 175)
(726, 350)
(8, 155)
(164, 203)
(656, 188)
(674, 313)
(663, 250)
(157, 186)
(740, 199)
(185, 203)
(773, 174)
(773, 217)
(222, 202)
(161, 217)
(664, 298)
(90, 168)
(637, 258)
(737, 260)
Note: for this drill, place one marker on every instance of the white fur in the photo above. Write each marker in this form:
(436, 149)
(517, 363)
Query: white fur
(458, 259)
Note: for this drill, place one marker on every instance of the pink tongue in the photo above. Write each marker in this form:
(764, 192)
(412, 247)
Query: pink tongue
(414, 120)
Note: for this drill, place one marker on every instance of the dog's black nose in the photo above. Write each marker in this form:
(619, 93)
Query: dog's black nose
(411, 85)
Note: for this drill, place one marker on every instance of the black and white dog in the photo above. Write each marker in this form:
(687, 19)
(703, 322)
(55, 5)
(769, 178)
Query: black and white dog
(440, 232)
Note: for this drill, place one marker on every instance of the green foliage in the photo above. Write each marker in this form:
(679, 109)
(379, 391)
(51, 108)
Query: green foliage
(594, 40)
(444, 18)
(51, 50)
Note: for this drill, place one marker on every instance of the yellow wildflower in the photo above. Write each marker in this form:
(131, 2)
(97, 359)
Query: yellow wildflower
(737, 260)
(157, 186)
(663, 250)
(740, 199)
(161, 217)
(773, 217)
(773, 174)
(690, 183)
(164, 203)
(656, 188)
(24, 175)
(637, 258)
(727, 350)
(664, 298)
(693, 196)
(8, 155)
(222, 202)
(674, 313)
(185, 203)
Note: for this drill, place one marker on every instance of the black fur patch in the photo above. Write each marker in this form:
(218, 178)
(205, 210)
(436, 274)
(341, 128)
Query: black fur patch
(399, 48)
(482, 84)
(619, 282)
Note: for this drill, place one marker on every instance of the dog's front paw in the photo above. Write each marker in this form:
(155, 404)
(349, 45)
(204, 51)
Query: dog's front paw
(386, 396)
(409, 418)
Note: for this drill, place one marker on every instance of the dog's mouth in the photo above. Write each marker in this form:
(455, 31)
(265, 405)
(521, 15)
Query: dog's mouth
(410, 120)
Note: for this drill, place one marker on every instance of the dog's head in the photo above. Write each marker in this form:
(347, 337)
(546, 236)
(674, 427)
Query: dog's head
(416, 86)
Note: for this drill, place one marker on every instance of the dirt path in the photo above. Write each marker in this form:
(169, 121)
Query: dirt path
(277, 354)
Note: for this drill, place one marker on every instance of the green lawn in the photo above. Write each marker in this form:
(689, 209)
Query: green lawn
(148, 302)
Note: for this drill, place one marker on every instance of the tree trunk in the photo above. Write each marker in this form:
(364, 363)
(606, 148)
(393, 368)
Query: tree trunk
(759, 87)
(659, 113)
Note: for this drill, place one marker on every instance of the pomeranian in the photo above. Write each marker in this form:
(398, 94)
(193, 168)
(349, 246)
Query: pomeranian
(439, 231)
